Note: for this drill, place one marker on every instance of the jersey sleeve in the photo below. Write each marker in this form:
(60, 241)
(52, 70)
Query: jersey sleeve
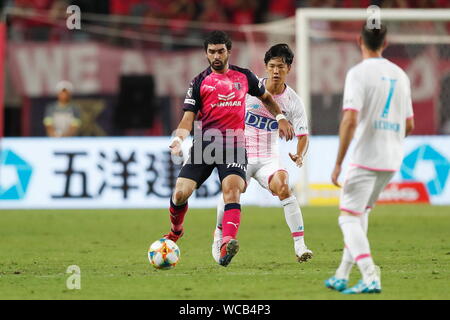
(353, 92)
(297, 116)
(192, 101)
(255, 87)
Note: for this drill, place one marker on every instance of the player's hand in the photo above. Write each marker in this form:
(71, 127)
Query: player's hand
(298, 159)
(175, 148)
(285, 129)
(335, 175)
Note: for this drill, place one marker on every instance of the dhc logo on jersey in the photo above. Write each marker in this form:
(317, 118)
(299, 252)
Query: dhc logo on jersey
(261, 122)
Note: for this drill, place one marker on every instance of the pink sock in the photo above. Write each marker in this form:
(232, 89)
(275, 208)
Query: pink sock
(231, 221)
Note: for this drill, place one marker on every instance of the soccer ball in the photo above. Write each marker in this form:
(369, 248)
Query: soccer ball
(163, 254)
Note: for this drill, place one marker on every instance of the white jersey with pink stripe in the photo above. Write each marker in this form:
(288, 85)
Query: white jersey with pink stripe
(261, 128)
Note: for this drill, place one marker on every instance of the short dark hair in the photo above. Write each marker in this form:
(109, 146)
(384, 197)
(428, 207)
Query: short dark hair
(217, 37)
(282, 51)
(374, 38)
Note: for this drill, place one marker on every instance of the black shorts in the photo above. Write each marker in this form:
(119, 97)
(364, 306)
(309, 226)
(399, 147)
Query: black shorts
(199, 171)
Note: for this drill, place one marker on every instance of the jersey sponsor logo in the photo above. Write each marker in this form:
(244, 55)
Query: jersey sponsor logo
(209, 87)
(260, 122)
(227, 104)
(348, 101)
(190, 101)
(254, 106)
(227, 97)
(386, 125)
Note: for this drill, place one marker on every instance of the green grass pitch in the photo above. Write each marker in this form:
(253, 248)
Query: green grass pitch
(411, 244)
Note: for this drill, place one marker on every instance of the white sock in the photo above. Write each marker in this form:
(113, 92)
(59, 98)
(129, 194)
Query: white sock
(357, 243)
(220, 211)
(347, 262)
(365, 220)
(294, 219)
(345, 268)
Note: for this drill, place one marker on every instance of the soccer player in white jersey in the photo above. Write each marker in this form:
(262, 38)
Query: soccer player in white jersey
(377, 110)
(261, 133)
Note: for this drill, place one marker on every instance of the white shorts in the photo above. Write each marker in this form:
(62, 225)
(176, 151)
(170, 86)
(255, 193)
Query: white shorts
(262, 170)
(362, 188)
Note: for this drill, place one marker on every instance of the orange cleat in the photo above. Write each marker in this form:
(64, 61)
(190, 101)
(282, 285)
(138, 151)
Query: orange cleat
(174, 236)
(228, 251)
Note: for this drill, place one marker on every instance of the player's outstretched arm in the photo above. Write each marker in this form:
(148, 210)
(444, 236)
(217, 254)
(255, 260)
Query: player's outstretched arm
(346, 132)
(285, 128)
(183, 130)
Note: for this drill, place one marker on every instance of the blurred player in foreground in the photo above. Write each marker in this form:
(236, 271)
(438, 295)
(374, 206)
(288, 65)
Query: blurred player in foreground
(378, 110)
(261, 133)
(217, 97)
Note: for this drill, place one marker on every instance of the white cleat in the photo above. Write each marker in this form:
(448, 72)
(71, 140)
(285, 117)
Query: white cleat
(217, 243)
(303, 253)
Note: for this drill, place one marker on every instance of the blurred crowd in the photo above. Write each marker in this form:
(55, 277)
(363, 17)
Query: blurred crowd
(227, 11)
(180, 24)
(219, 11)
(167, 21)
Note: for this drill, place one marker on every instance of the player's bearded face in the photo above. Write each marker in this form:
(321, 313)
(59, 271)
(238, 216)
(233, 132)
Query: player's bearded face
(218, 56)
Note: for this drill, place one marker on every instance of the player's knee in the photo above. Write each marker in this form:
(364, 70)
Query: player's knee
(284, 192)
(231, 195)
(179, 197)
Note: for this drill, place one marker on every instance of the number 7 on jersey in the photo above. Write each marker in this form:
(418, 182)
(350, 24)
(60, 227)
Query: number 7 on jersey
(387, 106)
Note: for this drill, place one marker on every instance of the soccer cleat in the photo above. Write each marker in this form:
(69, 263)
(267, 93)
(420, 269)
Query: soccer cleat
(217, 242)
(227, 251)
(174, 236)
(373, 287)
(336, 284)
(372, 283)
(303, 253)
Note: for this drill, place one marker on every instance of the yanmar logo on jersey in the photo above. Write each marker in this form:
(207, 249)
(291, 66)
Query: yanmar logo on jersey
(228, 97)
(226, 101)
